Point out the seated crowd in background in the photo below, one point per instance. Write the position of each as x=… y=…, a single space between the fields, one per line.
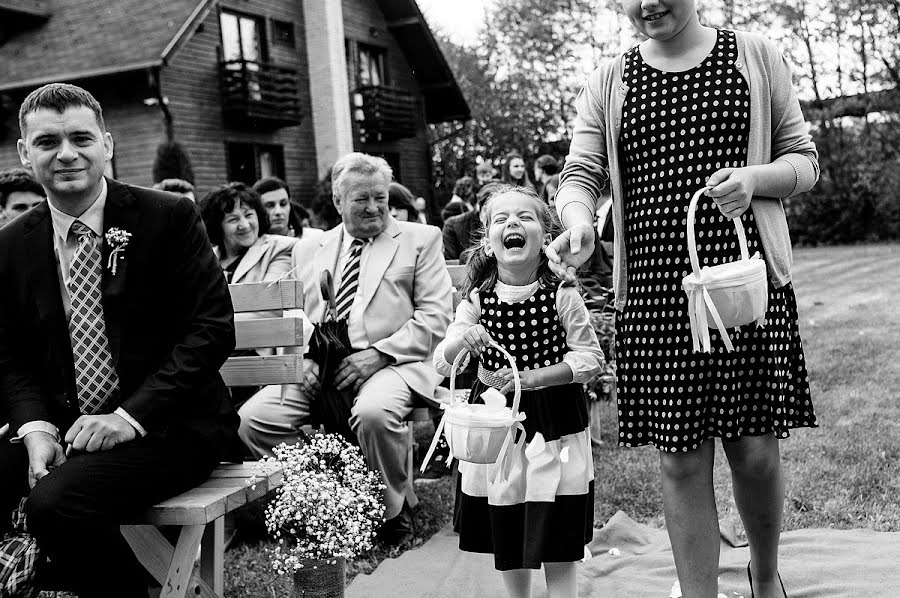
x=393 y=293
x=19 y=191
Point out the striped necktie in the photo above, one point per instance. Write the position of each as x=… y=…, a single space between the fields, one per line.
x=349 y=280
x=96 y=380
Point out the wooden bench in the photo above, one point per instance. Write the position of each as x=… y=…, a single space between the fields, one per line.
x=199 y=512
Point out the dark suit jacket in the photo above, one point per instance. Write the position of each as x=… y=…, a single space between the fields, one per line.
x=168 y=313
x=460 y=232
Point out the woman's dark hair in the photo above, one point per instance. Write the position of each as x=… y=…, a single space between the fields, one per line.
x=507 y=178
x=273 y=183
x=221 y=201
x=401 y=198
x=481 y=272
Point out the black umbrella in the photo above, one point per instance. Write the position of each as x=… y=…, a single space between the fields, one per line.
x=328 y=346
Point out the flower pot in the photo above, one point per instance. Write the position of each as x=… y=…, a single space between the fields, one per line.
x=320 y=578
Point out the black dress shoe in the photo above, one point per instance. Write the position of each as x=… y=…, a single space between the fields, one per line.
x=397 y=530
x=750 y=579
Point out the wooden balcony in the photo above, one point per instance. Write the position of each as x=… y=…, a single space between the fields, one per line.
x=384 y=113
x=259 y=95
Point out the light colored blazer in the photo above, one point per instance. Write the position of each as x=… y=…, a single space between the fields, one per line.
x=267 y=259
x=407 y=296
x=305 y=246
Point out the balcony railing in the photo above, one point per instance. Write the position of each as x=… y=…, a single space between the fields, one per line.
x=260 y=94
x=384 y=113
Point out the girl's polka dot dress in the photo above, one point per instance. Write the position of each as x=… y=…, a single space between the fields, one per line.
x=544 y=511
x=678 y=128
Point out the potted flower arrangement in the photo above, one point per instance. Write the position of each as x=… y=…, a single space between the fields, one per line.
x=326 y=511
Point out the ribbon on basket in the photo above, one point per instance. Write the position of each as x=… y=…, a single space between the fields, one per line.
x=741 y=287
x=503 y=465
x=515 y=434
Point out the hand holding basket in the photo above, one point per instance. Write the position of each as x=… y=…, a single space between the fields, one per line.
x=479 y=433
x=724 y=296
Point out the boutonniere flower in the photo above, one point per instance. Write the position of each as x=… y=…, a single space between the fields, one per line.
x=117 y=239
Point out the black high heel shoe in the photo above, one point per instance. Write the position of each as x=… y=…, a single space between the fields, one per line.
x=750 y=579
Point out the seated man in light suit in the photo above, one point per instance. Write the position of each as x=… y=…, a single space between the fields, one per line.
x=392 y=284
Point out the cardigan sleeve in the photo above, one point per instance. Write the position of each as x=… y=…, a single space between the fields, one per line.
x=587 y=165
x=791 y=141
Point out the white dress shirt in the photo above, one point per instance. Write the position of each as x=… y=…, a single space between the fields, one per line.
x=356 y=330
x=64 y=245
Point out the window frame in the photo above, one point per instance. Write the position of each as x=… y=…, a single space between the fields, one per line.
x=262 y=32
x=258 y=148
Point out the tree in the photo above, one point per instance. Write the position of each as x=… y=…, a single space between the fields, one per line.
x=520 y=80
x=172 y=162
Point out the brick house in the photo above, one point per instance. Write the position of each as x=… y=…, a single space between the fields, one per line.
x=250 y=87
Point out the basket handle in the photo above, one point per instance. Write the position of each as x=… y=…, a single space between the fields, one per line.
x=517 y=395
x=692 y=242
x=517 y=381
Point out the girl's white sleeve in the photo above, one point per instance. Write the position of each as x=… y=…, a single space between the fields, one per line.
x=468 y=312
x=584 y=356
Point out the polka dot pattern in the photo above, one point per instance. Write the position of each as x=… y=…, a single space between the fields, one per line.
x=530 y=331
x=678 y=128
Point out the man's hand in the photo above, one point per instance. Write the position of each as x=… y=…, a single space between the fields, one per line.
x=570 y=250
x=93 y=433
x=732 y=189
x=358 y=367
x=44 y=453
x=310 y=384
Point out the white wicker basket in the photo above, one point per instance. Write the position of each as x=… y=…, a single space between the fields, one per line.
x=478 y=433
x=724 y=296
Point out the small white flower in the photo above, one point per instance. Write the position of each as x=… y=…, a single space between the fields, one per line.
x=117 y=240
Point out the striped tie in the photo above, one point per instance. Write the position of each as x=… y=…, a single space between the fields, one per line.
x=349 y=280
x=96 y=381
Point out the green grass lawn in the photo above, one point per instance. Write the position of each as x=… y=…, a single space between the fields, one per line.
x=845 y=474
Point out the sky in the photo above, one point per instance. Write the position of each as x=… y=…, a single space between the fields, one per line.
x=460 y=19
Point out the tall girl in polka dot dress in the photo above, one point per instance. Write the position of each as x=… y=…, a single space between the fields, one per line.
x=543 y=513
x=693 y=107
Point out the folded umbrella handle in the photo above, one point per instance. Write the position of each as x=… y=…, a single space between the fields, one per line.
x=326 y=288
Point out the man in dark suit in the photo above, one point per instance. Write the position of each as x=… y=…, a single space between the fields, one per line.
x=114 y=321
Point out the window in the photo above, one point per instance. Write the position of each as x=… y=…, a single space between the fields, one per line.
x=283 y=33
x=243 y=49
x=249 y=162
x=369 y=65
x=242 y=37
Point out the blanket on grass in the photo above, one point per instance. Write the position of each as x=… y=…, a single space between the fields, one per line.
x=632 y=560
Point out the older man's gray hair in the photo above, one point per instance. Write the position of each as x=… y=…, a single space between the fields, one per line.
x=358 y=163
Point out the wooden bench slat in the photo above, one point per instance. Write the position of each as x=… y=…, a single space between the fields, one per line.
x=256 y=371
x=269 y=332
x=228 y=488
x=261 y=296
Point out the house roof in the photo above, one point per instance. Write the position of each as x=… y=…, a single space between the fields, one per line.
x=90 y=38
x=444 y=100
